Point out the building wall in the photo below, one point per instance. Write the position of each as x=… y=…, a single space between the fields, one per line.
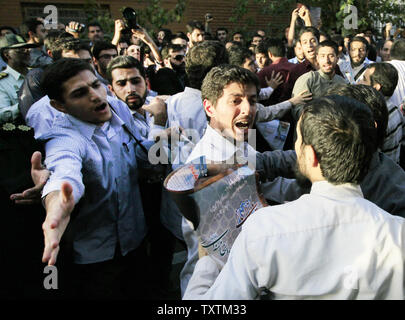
x=11 y=13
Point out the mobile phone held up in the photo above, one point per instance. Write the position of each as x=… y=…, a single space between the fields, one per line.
x=129 y=17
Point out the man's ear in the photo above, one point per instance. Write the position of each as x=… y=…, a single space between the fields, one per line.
x=310 y=156
x=377 y=86
x=209 y=108
x=166 y=62
x=31 y=34
x=189 y=36
x=57 y=105
x=109 y=86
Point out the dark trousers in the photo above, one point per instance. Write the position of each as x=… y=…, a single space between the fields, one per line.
x=122 y=278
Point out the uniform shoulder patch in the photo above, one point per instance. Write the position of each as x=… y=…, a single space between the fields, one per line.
x=3 y=75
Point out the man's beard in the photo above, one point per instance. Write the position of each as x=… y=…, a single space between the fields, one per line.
x=135 y=105
x=356 y=64
x=301 y=179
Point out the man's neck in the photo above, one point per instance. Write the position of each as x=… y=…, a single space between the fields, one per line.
x=276 y=59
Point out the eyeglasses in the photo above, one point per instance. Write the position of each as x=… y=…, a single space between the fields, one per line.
x=179 y=57
x=107 y=56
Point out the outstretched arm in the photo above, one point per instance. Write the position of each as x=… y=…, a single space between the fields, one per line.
x=58 y=205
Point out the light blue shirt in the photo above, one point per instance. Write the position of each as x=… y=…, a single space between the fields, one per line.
x=9 y=87
x=100 y=164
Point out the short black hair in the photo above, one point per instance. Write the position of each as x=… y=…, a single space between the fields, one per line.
x=386 y=75
x=238 y=55
x=261 y=48
x=101 y=45
x=194 y=24
x=276 y=47
x=201 y=58
x=398 y=50
x=165 y=52
x=328 y=43
x=8 y=28
x=94 y=24
x=60 y=71
x=341 y=131
x=313 y=30
x=370 y=97
x=221 y=76
x=29 y=25
x=359 y=39
x=124 y=62
x=221 y=29
x=69 y=44
x=53 y=36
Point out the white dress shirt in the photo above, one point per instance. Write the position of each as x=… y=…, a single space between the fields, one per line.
x=215 y=148
x=329 y=244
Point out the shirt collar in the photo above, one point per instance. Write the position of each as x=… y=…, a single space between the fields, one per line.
x=87 y=129
x=327 y=189
x=16 y=75
x=223 y=148
x=325 y=76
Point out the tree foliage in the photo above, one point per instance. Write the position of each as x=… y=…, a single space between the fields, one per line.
x=333 y=12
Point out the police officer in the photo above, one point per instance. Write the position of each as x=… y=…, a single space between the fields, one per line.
x=15 y=52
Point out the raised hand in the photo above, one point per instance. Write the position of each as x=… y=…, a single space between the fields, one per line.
x=275 y=80
x=39 y=175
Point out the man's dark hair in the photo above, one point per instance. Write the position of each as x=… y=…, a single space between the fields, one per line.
x=29 y=25
x=221 y=76
x=192 y=25
x=124 y=62
x=101 y=45
x=323 y=33
x=313 y=30
x=338 y=39
x=359 y=39
x=53 y=36
x=165 y=52
x=7 y=28
x=94 y=24
x=342 y=133
x=237 y=32
x=181 y=35
x=238 y=55
x=69 y=44
x=276 y=47
x=328 y=43
x=386 y=75
x=201 y=58
x=261 y=48
x=370 y=97
x=398 y=50
x=58 y=72
x=221 y=29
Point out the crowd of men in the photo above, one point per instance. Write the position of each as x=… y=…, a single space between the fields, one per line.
x=90 y=127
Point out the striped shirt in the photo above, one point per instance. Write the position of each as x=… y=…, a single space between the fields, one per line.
x=393 y=137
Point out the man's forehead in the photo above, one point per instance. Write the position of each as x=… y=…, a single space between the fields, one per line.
x=326 y=49
x=125 y=73
x=307 y=36
x=237 y=88
x=83 y=78
x=357 y=44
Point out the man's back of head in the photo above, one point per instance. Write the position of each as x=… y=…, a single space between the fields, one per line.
x=370 y=97
x=398 y=50
x=341 y=132
x=202 y=58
